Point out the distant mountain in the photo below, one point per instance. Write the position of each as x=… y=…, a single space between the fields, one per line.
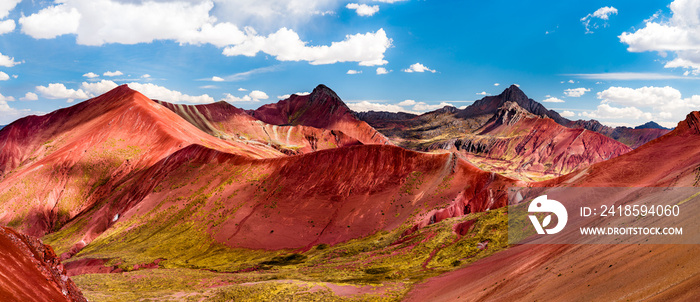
x=2 y=126
x=517 y=143
x=651 y=125
x=406 y=129
x=320 y=109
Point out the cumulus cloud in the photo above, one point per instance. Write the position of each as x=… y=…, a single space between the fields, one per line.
x=496 y=84
x=407 y=103
x=363 y=9
x=424 y=107
x=552 y=100
x=217 y=79
x=602 y=13
x=89 y=90
x=146 y=76
x=164 y=94
x=4 y=76
x=364 y=106
x=7 y=26
x=91 y=75
x=418 y=67
x=576 y=92
x=481 y=93
x=567 y=113
x=6 y=6
x=94 y=22
x=286 y=96
x=253 y=96
x=113 y=73
x=661 y=104
x=242 y=89
x=52 y=22
x=389 y=1
x=97 y=88
x=6 y=61
x=352 y=71
x=679 y=35
x=59 y=91
x=29 y=96
x=8 y=114
x=286 y=45
x=382 y=70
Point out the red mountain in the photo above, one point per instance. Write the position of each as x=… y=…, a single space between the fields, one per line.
x=593 y=271
x=320 y=109
x=31 y=271
x=233 y=124
x=53 y=165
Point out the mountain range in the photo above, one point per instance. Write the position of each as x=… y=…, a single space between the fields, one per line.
x=305 y=198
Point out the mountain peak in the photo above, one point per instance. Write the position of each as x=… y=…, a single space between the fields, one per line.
x=321 y=94
x=651 y=125
x=513 y=94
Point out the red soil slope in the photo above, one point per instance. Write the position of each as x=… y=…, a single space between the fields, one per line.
x=515 y=140
x=53 y=165
x=328 y=196
x=594 y=272
x=230 y=123
x=320 y=109
x=30 y=271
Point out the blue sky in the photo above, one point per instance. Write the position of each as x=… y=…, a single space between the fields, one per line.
x=621 y=62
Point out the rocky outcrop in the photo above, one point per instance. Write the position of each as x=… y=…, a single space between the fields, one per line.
x=31 y=271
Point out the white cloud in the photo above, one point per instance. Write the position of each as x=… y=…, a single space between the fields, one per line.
x=481 y=93
x=9 y=114
x=382 y=70
x=571 y=81
x=253 y=96
x=29 y=96
x=164 y=94
x=644 y=96
x=6 y=6
x=680 y=35
x=4 y=76
x=407 y=103
x=661 y=104
x=602 y=13
x=113 y=73
x=389 y=1
x=146 y=76
x=208 y=86
x=363 y=9
x=567 y=113
x=59 y=91
x=97 y=88
x=197 y=22
x=242 y=89
x=352 y=71
x=7 y=26
x=605 y=111
x=496 y=84
x=424 y=107
x=418 y=67
x=217 y=79
x=91 y=75
x=286 y=45
x=576 y=92
x=6 y=61
x=286 y=96
x=52 y=22
x=629 y=76
x=364 y=106
x=552 y=100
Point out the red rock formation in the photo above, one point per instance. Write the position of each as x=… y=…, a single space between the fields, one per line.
x=30 y=271
x=320 y=109
x=233 y=124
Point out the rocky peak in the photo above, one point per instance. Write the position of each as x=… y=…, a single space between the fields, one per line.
x=510 y=113
x=691 y=124
x=651 y=125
